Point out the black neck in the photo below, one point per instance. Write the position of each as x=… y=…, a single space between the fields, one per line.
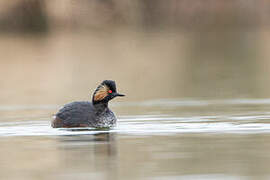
x=100 y=105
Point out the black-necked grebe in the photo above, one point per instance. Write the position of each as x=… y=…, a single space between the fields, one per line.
x=89 y=114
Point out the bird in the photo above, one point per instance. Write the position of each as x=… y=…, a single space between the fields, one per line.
x=94 y=114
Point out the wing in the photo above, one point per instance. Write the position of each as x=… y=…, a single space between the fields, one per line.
x=76 y=114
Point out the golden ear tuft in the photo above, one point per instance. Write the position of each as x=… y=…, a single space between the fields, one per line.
x=101 y=93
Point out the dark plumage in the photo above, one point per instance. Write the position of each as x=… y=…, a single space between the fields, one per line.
x=89 y=114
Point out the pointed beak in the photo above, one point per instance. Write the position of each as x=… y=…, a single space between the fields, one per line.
x=117 y=94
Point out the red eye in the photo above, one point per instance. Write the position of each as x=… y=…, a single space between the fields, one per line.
x=110 y=91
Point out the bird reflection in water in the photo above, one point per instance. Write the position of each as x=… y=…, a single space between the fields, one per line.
x=95 y=154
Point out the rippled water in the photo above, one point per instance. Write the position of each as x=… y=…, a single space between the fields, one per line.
x=158 y=139
x=157 y=123
x=150 y=125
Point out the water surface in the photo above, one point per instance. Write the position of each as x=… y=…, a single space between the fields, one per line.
x=155 y=139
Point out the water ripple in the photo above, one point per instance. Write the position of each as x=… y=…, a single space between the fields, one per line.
x=149 y=125
x=247 y=117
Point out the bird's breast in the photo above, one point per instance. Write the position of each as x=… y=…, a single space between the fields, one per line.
x=106 y=119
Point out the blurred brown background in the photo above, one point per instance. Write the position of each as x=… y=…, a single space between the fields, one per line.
x=52 y=52
x=56 y=51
